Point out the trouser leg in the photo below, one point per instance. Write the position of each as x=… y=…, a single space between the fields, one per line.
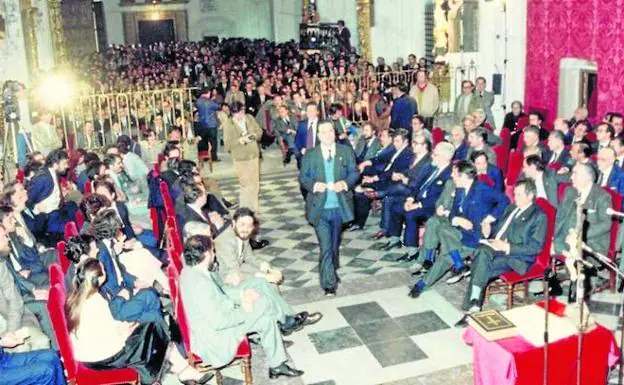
x=270 y=292
x=263 y=320
x=362 y=209
x=41 y=367
x=327 y=230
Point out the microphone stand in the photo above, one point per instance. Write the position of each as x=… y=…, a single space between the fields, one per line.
x=547 y=309
x=614 y=268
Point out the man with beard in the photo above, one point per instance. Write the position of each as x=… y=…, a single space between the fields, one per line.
x=45 y=200
x=241 y=268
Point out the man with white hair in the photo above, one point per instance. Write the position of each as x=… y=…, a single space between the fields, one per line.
x=420 y=205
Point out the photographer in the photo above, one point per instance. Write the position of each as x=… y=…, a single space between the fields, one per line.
x=241 y=135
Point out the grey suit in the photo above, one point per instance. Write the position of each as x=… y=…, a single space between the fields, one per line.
x=218 y=323
x=14 y=313
x=282 y=127
x=371 y=151
x=473 y=104
x=597 y=226
x=487 y=99
x=232 y=260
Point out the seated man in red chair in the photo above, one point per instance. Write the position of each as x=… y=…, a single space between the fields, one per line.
x=511 y=245
x=557 y=155
x=220 y=317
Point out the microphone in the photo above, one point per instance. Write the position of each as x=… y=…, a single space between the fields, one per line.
x=614 y=213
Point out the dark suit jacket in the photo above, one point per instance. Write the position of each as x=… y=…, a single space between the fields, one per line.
x=461 y=153
x=302 y=135
x=526 y=235
x=112 y=286
x=401 y=164
x=480 y=201
x=29 y=258
x=416 y=174
x=428 y=195
x=122 y=209
x=496 y=175
x=615 y=180
x=371 y=151
x=282 y=127
x=313 y=170
x=402 y=111
x=40 y=187
x=597 y=226
x=551 y=185
x=252 y=102
x=562 y=158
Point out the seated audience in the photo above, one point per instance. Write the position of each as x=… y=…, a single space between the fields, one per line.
x=487 y=172
x=546 y=180
x=476 y=142
x=458 y=140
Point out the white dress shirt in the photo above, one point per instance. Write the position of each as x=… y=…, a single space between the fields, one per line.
x=53 y=201
x=539 y=185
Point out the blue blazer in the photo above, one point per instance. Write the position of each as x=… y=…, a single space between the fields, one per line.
x=302 y=135
x=428 y=195
x=401 y=164
x=496 y=175
x=461 y=152
x=403 y=109
x=112 y=286
x=39 y=188
x=480 y=201
x=125 y=218
x=616 y=180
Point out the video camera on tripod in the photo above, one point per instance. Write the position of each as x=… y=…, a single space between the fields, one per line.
x=10 y=92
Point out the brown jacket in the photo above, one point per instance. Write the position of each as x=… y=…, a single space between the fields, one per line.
x=231 y=139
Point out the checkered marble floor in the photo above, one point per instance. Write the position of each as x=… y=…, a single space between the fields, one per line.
x=293 y=243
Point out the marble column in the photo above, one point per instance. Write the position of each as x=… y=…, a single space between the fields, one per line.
x=13 y=57
x=45 y=45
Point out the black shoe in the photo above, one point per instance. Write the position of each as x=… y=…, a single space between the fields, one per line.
x=554 y=287
x=311 y=319
x=463 y=322
x=203 y=380
x=330 y=292
x=257 y=245
x=354 y=227
x=390 y=245
x=406 y=258
x=284 y=370
x=458 y=275
x=288 y=344
x=416 y=291
x=227 y=203
x=288 y=330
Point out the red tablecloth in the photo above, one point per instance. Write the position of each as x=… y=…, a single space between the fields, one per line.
x=513 y=361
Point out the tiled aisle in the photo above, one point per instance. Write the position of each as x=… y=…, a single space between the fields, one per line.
x=371 y=333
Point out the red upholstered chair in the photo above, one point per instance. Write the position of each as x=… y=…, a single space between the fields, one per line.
x=616 y=205
x=505 y=136
x=70 y=230
x=56 y=275
x=243 y=354
x=523 y=121
x=510 y=280
x=153 y=213
x=76 y=372
x=79 y=219
x=502 y=156
x=60 y=250
x=514 y=169
x=591 y=136
x=437 y=135
x=520 y=144
x=169 y=206
x=19 y=176
x=174 y=248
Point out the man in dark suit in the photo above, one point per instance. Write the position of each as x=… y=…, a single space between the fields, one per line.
x=604 y=135
x=378 y=162
x=45 y=198
x=487 y=172
x=477 y=142
x=556 y=156
x=456 y=225
x=328 y=174
x=458 y=140
x=344 y=37
x=252 y=101
x=130 y=299
x=597 y=225
x=546 y=180
x=609 y=175
x=510 y=245
x=102 y=125
x=403 y=107
x=286 y=126
x=617 y=144
x=306 y=137
x=420 y=204
x=195 y=200
x=368 y=144
x=374 y=187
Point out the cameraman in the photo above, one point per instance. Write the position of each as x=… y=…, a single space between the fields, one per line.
x=241 y=135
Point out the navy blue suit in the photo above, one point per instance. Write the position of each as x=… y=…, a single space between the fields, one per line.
x=142 y=306
x=480 y=201
x=426 y=190
x=41 y=187
x=496 y=175
x=403 y=109
x=302 y=135
x=146 y=238
x=616 y=180
x=379 y=161
x=461 y=152
x=41 y=367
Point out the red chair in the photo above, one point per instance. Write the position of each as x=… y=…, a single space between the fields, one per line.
x=79 y=219
x=616 y=205
x=510 y=280
x=502 y=156
x=514 y=169
x=169 y=206
x=174 y=249
x=153 y=213
x=60 y=250
x=76 y=372
x=437 y=135
x=19 y=176
x=505 y=136
x=243 y=354
x=56 y=275
x=523 y=121
x=70 y=230
x=520 y=144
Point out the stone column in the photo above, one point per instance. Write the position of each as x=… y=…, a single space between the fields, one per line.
x=43 y=34
x=14 y=58
x=56 y=30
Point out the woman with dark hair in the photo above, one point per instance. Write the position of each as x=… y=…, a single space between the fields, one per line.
x=512 y=117
x=78 y=249
x=101 y=342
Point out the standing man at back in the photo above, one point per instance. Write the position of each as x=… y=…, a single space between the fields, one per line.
x=207 y=107
x=329 y=174
x=403 y=107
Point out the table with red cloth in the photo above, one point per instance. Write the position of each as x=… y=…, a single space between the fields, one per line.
x=514 y=361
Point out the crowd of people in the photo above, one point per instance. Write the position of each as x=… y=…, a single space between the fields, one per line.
x=447 y=198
